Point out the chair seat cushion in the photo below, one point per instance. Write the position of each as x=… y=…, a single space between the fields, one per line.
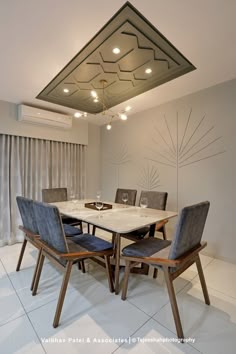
x=69 y=220
x=92 y=243
x=140 y=233
x=71 y=231
x=145 y=248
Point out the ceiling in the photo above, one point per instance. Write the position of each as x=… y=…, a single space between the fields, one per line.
x=39 y=38
x=97 y=78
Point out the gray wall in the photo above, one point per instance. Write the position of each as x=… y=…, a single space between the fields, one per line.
x=187 y=148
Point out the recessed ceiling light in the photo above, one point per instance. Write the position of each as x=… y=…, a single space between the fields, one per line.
x=38 y=113
x=95 y=99
x=123 y=116
x=116 y=50
x=148 y=71
x=94 y=94
x=128 y=108
x=85 y=114
x=108 y=126
x=66 y=90
x=77 y=115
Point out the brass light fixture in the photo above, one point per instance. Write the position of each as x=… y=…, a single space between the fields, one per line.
x=101 y=99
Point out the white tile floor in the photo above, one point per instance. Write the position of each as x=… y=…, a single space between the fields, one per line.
x=91 y=314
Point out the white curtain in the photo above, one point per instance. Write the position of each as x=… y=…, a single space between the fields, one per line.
x=27 y=166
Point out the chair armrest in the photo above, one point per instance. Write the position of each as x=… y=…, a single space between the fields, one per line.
x=150 y=260
x=161 y=257
x=73 y=255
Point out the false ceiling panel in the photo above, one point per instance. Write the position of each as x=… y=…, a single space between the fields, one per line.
x=141 y=47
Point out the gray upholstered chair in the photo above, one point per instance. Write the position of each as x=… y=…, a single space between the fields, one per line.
x=30 y=228
x=65 y=252
x=53 y=195
x=156 y=200
x=172 y=257
x=131 y=196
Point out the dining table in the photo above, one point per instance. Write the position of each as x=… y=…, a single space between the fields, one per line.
x=118 y=219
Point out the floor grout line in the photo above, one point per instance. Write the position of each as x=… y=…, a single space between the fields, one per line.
x=210 y=287
x=174 y=333
x=177 y=292
x=26 y=314
x=130 y=302
x=11 y=320
x=132 y=334
x=192 y=281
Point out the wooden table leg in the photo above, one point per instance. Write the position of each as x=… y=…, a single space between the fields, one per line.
x=117 y=266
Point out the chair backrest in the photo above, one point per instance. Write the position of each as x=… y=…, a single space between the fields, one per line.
x=50 y=226
x=156 y=200
x=131 y=196
x=26 y=210
x=189 y=229
x=52 y=195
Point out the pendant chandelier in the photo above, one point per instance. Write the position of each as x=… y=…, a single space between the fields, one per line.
x=105 y=111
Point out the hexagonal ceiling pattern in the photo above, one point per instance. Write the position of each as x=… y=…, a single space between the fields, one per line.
x=141 y=47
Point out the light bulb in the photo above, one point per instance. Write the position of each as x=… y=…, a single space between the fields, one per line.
x=66 y=90
x=116 y=50
x=94 y=94
x=128 y=108
x=108 y=126
x=77 y=114
x=148 y=71
x=95 y=99
x=123 y=116
x=85 y=114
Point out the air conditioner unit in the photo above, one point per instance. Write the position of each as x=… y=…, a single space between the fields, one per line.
x=40 y=116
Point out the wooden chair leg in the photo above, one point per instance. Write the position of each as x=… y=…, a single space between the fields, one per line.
x=202 y=280
x=117 y=264
x=81 y=226
x=21 y=255
x=35 y=270
x=62 y=294
x=83 y=266
x=109 y=274
x=94 y=230
x=173 y=303
x=155 y=273
x=164 y=232
x=126 y=278
x=38 y=273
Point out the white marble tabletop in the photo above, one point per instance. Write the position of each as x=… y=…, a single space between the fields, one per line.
x=120 y=219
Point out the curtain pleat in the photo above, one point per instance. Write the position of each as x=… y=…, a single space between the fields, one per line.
x=27 y=166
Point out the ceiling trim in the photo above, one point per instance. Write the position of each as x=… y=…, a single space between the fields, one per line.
x=142 y=46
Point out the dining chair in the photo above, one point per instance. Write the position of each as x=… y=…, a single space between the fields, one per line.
x=173 y=258
x=155 y=200
x=53 y=195
x=131 y=194
x=65 y=252
x=30 y=229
